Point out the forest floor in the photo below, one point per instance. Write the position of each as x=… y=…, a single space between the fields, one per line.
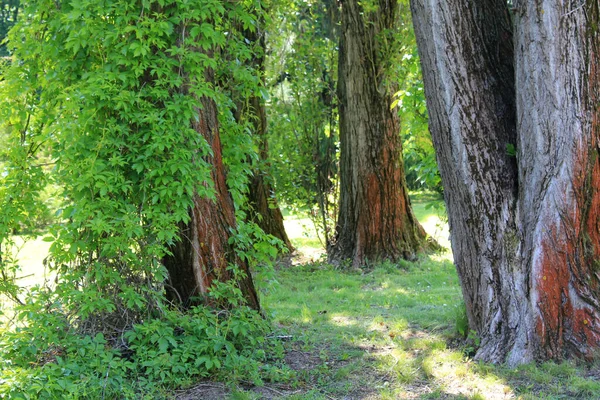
x=386 y=331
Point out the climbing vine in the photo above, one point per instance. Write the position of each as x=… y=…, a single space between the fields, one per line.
x=98 y=102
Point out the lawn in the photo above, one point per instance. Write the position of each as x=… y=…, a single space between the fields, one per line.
x=385 y=331
x=388 y=331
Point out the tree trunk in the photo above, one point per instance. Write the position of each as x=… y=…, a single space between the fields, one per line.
x=264 y=210
x=204 y=253
x=375 y=217
x=261 y=196
x=524 y=224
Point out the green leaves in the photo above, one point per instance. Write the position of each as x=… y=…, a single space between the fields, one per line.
x=101 y=104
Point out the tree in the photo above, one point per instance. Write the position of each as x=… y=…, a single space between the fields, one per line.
x=264 y=210
x=204 y=253
x=516 y=135
x=9 y=12
x=115 y=103
x=207 y=252
x=375 y=219
x=151 y=166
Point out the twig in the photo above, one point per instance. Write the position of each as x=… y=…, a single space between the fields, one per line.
x=282 y=337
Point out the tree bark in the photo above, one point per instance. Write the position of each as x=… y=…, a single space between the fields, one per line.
x=375 y=218
x=524 y=224
x=204 y=253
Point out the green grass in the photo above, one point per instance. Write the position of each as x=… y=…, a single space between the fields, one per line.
x=390 y=331
x=387 y=331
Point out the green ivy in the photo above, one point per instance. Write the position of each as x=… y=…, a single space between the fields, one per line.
x=98 y=102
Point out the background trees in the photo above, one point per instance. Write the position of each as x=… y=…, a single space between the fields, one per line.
x=515 y=131
x=302 y=111
x=375 y=218
x=9 y=12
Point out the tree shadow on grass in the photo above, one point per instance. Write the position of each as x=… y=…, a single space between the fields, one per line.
x=389 y=333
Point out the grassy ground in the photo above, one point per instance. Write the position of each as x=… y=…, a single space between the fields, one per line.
x=387 y=331
x=390 y=331
x=31 y=254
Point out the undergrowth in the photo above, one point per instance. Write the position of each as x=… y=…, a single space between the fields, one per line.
x=48 y=358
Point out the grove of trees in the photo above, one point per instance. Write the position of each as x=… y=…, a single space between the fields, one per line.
x=168 y=133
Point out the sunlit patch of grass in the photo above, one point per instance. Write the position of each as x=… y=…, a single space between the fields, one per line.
x=30 y=253
x=303 y=244
x=382 y=332
x=457 y=376
x=362 y=317
x=430 y=210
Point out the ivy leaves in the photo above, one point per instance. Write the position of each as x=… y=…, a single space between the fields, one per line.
x=109 y=90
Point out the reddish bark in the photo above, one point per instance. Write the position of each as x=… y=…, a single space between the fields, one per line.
x=568 y=279
x=375 y=218
x=204 y=253
x=525 y=232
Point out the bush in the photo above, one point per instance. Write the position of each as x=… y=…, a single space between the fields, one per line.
x=48 y=358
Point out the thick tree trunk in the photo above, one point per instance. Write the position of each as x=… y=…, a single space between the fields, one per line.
x=204 y=253
x=375 y=217
x=558 y=106
x=524 y=229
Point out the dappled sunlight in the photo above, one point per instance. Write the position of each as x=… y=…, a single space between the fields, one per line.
x=31 y=254
x=390 y=333
x=300 y=228
x=445 y=256
x=403 y=291
x=437 y=229
x=303 y=235
x=343 y=320
x=456 y=376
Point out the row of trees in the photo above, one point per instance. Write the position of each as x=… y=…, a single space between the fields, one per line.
x=161 y=104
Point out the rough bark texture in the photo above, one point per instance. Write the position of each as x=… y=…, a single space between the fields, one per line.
x=375 y=217
x=557 y=76
x=204 y=252
x=524 y=226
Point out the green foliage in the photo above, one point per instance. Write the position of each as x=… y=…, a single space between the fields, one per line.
x=303 y=131
x=9 y=11
x=101 y=89
x=96 y=117
x=46 y=359
x=417 y=147
x=461 y=320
